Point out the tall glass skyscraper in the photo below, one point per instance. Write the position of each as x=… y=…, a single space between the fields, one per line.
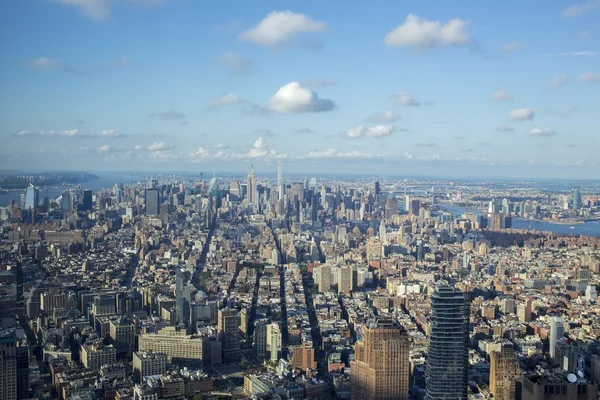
x=576 y=199
x=448 y=355
x=32 y=197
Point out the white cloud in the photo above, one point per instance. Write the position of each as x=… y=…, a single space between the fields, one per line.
x=101 y=9
x=505 y=129
x=238 y=64
x=334 y=153
x=294 y=98
x=419 y=33
x=521 y=114
x=385 y=116
x=542 y=132
x=585 y=53
x=104 y=149
x=559 y=80
x=110 y=133
x=581 y=8
x=70 y=133
x=44 y=63
x=501 y=95
x=160 y=146
x=354 y=133
x=227 y=100
x=170 y=115
x=512 y=47
x=281 y=28
x=406 y=99
x=589 y=77
x=380 y=131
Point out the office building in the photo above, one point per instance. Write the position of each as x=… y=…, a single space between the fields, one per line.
x=183 y=296
x=176 y=344
x=151 y=202
x=260 y=337
x=557 y=332
x=274 y=340
x=377 y=189
x=251 y=188
x=302 y=357
x=345 y=284
x=556 y=386
x=123 y=334
x=229 y=334
x=32 y=197
x=66 y=204
x=95 y=355
x=148 y=363
x=576 y=199
x=504 y=368
x=448 y=356
x=8 y=367
x=380 y=370
x=323 y=278
x=87 y=202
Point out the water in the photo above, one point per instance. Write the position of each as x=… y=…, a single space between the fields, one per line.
x=590 y=228
x=104 y=181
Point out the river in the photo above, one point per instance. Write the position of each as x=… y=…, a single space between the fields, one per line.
x=590 y=228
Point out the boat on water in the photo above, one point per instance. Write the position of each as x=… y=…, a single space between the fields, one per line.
x=572 y=227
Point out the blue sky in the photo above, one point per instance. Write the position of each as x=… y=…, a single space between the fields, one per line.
x=448 y=88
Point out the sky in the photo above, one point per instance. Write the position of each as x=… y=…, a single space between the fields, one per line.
x=431 y=88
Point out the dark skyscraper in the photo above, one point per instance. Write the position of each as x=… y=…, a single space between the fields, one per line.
x=151 y=202
x=377 y=189
x=183 y=297
x=87 y=200
x=448 y=356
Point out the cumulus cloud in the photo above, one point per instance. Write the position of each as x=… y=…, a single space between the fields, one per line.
x=104 y=149
x=512 y=47
x=522 y=114
x=294 y=98
x=236 y=63
x=100 y=10
x=385 y=116
x=380 y=131
x=420 y=34
x=559 y=80
x=576 y=10
x=406 y=99
x=160 y=146
x=501 y=95
x=281 y=28
x=354 y=133
x=542 y=132
x=227 y=100
x=505 y=129
x=589 y=77
x=170 y=115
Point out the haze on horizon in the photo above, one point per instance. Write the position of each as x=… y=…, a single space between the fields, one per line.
x=402 y=88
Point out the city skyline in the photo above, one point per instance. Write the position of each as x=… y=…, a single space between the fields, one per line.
x=186 y=86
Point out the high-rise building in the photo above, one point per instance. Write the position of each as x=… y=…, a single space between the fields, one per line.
x=380 y=370
x=274 y=340
x=345 y=284
x=448 y=356
x=504 y=368
x=95 y=355
x=183 y=296
x=8 y=367
x=556 y=386
x=557 y=332
x=576 y=199
x=122 y=333
x=251 y=187
x=148 y=363
x=87 y=202
x=65 y=202
x=323 y=278
x=32 y=197
x=229 y=327
x=151 y=202
x=377 y=189
x=177 y=346
x=260 y=337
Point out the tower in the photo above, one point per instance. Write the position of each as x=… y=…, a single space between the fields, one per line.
x=280 y=188
x=229 y=326
x=8 y=367
x=557 y=331
x=380 y=370
x=151 y=202
x=252 y=193
x=32 y=197
x=504 y=368
x=448 y=356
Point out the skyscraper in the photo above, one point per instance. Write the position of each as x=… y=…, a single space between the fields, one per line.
x=32 y=197
x=377 y=189
x=252 y=193
x=557 y=331
x=576 y=199
x=8 y=368
x=65 y=203
x=504 y=368
x=183 y=296
x=380 y=370
x=448 y=356
x=229 y=326
x=87 y=200
x=151 y=202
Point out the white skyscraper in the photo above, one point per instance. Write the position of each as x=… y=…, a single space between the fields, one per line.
x=557 y=331
x=252 y=193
